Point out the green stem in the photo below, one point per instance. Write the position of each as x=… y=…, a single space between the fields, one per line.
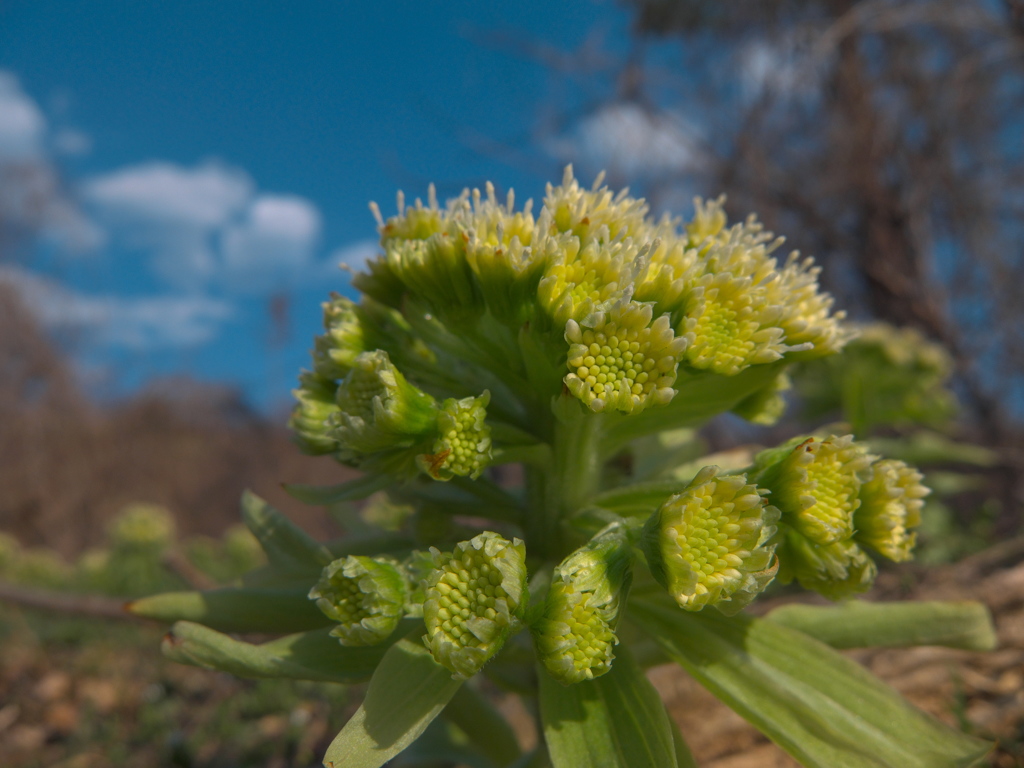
x=570 y=480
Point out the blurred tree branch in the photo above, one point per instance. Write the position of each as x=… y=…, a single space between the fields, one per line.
x=882 y=136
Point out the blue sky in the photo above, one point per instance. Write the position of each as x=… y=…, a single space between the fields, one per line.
x=187 y=167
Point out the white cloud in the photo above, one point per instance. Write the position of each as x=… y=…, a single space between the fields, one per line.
x=22 y=125
x=171 y=214
x=206 y=226
x=273 y=245
x=781 y=68
x=70 y=141
x=135 y=323
x=160 y=193
x=33 y=200
x=631 y=142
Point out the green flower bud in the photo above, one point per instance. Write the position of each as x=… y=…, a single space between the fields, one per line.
x=365 y=595
x=379 y=409
x=143 y=526
x=508 y=274
x=437 y=270
x=316 y=403
x=709 y=220
x=335 y=351
x=730 y=325
x=838 y=570
x=621 y=361
x=579 y=281
x=474 y=599
x=464 y=446
x=890 y=506
x=575 y=636
x=597 y=214
x=710 y=544
x=807 y=320
x=816 y=484
x=356 y=328
x=768 y=404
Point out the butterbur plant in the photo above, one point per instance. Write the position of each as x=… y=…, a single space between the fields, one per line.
x=499 y=383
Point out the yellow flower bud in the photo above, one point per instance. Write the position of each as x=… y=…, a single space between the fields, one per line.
x=365 y=595
x=891 y=503
x=816 y=484
x=620 y=360
x=464 y=446
x=474 y=598
x=575 y=636
x=711 y=544
x=595 y=214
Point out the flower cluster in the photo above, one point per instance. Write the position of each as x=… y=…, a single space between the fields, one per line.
x=476 y=300
x=478 y=323
x=835 y=497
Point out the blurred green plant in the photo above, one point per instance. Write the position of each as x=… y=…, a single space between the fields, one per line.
x=578 y=344
x=137 y=558
x=885 y=377
x=892 y=387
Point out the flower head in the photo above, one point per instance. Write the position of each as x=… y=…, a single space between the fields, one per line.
x=620 y=360
x=710 y=544
x=597 y=213
x=768 y=404
x=575 y=636
x=730 y=325
x=143 y=526
x=316 y=403
x=807 y=320
x=581 y=279
x=508 y=274
x=474 y=598
x=709 y=220
x=365 y=595
x=816 y=484
x=464 y=446
x=437 y=271
x=838 y=570
x=379 y=409
x=890 y=506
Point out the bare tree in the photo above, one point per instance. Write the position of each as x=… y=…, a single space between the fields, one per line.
x=886 y=137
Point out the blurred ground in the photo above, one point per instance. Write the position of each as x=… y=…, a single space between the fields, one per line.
x=78 y=693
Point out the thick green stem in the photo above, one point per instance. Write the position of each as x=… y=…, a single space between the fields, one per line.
x=570 y=480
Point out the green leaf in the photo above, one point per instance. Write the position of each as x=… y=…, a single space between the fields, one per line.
x=822 y=708
x=926 y=447
x=639 y=499
x=290 y=550
x=306 y=656
x=858 y=624
x=484 y=725
x=616 y=720
x=353 y=490
x=408 y=690
x=701 y=396
x=684 y=757
x=462 y=496
x=238 y=609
